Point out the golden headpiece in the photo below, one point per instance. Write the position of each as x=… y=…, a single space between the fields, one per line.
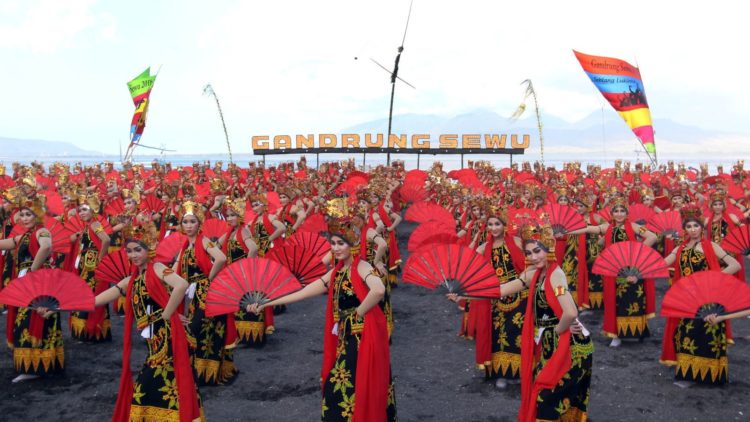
x=647 y=191
x=260 y=197
x=192 y=208
x=237 y=206
x=92 y=201
x=343 y=222
x=2 y=169
x=134 y=194
x=691 y=212
x=144 y=231
x=498 y=212
x=718 y=195
x=539 y=231
x=217 y=184
x=618 y=201
x=35 y=204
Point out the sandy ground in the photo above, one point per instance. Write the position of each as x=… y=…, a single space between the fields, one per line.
x=432 y=367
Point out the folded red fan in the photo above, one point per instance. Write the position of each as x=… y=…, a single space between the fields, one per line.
x=214 y=228
x=564 y=218
x=424 y=211
x=427 y=230
x=624 y=259
x=704 y=293
x=667 y=223
x=168 y=248
x=248 y=281
x=49 y=288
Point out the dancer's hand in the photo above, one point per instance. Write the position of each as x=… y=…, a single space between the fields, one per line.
x=714 y=319
x=576 y=327
x=184 y=319
x=255 y=308
x=44 y=312
x=453 y=297
x=631 y=279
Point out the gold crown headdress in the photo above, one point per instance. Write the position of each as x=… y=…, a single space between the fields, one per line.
x=192 y=208
x=539 y=231
x=134 y=194
x=618 y=201
x=217 y=184
x=497 y=212
x=35 y=204
x=92 y=201
x=718 y=195
x=342 y=221
x=647 y=192
x=237 y=206
x=691 y=212
x=143 y=231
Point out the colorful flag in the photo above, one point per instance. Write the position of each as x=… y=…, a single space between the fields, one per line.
x=620 y=83
x=140 y=90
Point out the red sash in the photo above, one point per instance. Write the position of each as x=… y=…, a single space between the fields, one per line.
x=373 y=357
x=36 y=322
x=394 y=256
x=556 y=366
x=187 y=394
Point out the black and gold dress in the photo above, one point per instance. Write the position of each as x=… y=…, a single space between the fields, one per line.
x=569 y=400
x=85 y=265
x=41 y=353
x=251 y=328
x=338 y=388
x=387 y=308
x=569 y=266
x=507 y=321
x=155 y=390
x=213 y=358
x=632 y=317
x=596 y=288
x=701 y=348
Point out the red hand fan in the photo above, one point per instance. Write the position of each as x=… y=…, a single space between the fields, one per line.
x=737 y=240
x=313 y=242
x=75 y=224
x=54 y=203
x=49 y=288
x=274 y=202
x=413 y=193
x=301 y=262
x=688 y=295
x=113 y=267
x=605 y=215
x=314 y=224
x=564 y=218
x=248 y=281
x=421 y=212
x=59 y=234
x=169 y=247
x=624 y=259
x=662 y=202
x=114 y=207
x=640 y=214
x=152 y=203
x=214 y=228
x=438 y=239
x=456 y=268
x=426 y=230
x=667 y=223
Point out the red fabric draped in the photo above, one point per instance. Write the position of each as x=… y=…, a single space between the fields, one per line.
x=668 y=353
x=373 y=356
x=270 y=228
x=187 y=393
x=394 y=256
x=582 y=285
x=556 y=366
x=370 y=224
x=36 y=322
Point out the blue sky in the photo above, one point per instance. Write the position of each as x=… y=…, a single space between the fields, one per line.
x=288 y=67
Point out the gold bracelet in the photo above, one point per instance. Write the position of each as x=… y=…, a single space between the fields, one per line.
x=98 y=230
x=167 y=271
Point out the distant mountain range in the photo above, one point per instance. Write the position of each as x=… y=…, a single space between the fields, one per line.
x=598 y=134
x=23 y=149
x=601 y=135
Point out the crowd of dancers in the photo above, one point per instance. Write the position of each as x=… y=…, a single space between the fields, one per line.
x=181 y=227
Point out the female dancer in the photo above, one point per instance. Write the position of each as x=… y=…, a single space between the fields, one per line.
x=556 y=350
x=356 y=358
x=89 y=247
x=628 y=302
x=697 y=349
x=35 y=337
x=164 y=389
x=502 y=357
x=215 y=336
x=238 y=244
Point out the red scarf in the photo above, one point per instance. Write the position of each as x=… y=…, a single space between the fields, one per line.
x=373 y=357
x=363 y=236
x=394 y=256
x=268 y=225
x=610 y=295
x=187 y=394
x=238 y=237
x=668 y=353
x=556 y=366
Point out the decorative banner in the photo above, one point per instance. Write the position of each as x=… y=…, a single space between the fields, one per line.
x=140 y=90
x=620 y=83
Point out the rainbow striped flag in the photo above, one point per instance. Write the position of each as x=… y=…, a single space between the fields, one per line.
x=620 y=83
x=140 y=89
